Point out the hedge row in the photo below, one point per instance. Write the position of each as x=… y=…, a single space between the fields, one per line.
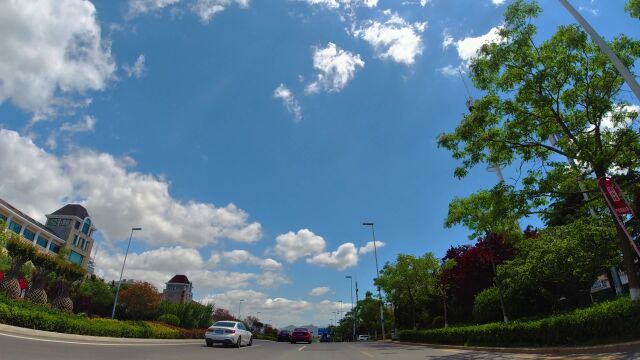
x=615 y=320
x=23 y=314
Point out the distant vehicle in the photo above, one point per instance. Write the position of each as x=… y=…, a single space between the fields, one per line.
x=284 y=335
x=228 y=333
x=325 y=338
x=363 y=337
x=301 y=335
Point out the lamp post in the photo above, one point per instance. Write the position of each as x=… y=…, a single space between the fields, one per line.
x=353 y=315
x=375 y=251
x=115 y=301
x=240 y=309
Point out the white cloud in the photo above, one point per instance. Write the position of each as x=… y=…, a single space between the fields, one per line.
x=270 y=279
x=370 y=248
x=206 y=9
x=467 y=49
x=347 y=4
x=289 y=100
x=51 y=50
x=292 y=246
x=115 y=196
x=498 y=2
x=87 y=124
x=137 y=69
x=346 y=256
x=335 y=68
x=138 y=7
x=243 y=257
x=395 y=39
x=319 y=291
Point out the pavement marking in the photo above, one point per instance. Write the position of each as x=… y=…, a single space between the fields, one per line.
x=96 y=344
x=302 y=348
x=365 y=353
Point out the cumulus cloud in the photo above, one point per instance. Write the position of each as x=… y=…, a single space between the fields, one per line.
x=289 y=100
x=348 y=4
x=87 y=124
x=344 y=257
x=115 y=195
x=243 y=257
x=370 y=248
x=498 y=2
x=51 y=50
x=138 y=7
x=206 y=9
x=292 y=246
x=319 y=291
x=335 y=67
x=467 y=48
x=137 y=69
x=395 y=39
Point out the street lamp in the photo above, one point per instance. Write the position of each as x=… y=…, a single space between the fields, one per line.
x=352 y=313
x=240 y=309
x=375 y=251
x=115 y=301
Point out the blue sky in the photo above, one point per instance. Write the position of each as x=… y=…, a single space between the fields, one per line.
x=250 y=139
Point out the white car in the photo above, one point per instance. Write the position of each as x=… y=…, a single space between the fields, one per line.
x=363 y=337
x=228 y=333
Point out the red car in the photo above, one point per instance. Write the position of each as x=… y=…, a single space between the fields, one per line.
x=301 y=335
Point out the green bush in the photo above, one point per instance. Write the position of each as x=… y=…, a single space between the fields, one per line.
x=486 y=306
x=615 y=320
x=27 y=315
x=169 y=319
x=191 y=314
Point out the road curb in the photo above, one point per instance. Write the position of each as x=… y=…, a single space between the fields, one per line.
x=609 y=348
x=14 y=330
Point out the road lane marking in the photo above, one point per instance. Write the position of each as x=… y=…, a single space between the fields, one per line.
x=365 y=353
x=302 y=348
x=96 y=344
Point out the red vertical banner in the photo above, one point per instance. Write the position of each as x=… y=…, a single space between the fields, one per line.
x=618 y=206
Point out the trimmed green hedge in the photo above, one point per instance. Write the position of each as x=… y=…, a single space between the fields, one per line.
x=615 y=320
x=23 y=314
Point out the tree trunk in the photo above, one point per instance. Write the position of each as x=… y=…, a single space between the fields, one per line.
x=444 y=303
x=628 y=256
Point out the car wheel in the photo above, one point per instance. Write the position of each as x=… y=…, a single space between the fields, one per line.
x=250 y=341
x=209 y=344
x=239 y=342
x=293 y=342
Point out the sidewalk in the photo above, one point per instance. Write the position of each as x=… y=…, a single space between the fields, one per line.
x=632 y=346
x=18 y=331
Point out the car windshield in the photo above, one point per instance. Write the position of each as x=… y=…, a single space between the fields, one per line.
x=225 y=324
x=284 y=332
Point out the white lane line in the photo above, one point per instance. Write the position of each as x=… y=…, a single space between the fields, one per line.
x=95 y=344
x=302 y=348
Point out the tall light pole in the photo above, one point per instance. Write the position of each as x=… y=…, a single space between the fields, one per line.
x=352 y=313
x=240 y=309
x=375 y=251
x=622 y=69
x=115 y=301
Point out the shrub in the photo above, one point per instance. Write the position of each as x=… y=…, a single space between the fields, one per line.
x=169 y=319
x=191 y=314
x=615 y=320
x=24 y=314
x=140 y=301
x=486 y=306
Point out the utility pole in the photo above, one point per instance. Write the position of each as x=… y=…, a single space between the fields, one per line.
x=375 y=251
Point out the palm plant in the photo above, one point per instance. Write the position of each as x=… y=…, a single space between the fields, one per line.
x=36 y=293
x=10 y=286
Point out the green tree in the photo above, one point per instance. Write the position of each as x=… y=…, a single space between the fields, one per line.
x=633 y=7
x=93 y=296
x=561 y=263
x=547 y=102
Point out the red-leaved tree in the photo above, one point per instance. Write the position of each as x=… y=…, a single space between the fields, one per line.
x=140 y=301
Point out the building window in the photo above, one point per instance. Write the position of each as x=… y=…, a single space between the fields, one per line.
x=64 y=222
x=42 y=241
x=85 y=242
x=55 y=248
x=77 y=225
x=86 y=226
x=76 y=241
x=30 y=235
x=53 y=222
x=15 y=227
x=76 y=258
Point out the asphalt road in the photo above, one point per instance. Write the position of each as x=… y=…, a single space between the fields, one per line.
x=33 y=348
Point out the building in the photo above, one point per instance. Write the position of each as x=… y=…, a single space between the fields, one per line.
x=69 y=227
x=179 y=289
